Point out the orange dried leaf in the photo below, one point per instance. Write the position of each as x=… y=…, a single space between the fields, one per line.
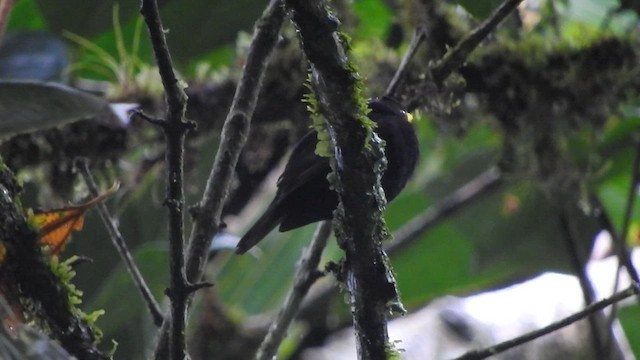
x=56 y=225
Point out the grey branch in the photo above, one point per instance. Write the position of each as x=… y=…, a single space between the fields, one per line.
x=121 y=245
x=589 y=310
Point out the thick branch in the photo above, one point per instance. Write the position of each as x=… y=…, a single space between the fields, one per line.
x=360 y=228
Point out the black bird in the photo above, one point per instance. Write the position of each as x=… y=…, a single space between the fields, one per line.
x=303 y=194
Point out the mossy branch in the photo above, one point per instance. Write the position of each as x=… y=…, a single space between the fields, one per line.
x=28 y=277
x=357 y=167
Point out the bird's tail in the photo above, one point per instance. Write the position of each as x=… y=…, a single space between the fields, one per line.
x=269 y=220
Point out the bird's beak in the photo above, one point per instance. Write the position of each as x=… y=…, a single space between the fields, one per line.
x=409 y=117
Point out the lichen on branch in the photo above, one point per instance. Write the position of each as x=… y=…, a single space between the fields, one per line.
x=357 y=165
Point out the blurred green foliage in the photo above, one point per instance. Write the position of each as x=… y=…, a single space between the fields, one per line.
x=480 y=9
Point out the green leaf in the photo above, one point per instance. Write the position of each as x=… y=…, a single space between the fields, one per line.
x=479 y=8
x=629 y=320
x=259 y=283
x=374 y=18
x=620 y=131
x=152 y=260
x=25 y=15
x=433 y=265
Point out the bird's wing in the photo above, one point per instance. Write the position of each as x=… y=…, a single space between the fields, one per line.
x=303 y=166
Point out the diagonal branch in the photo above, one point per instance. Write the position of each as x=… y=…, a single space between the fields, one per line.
x=121 y=245
x=455 y=57
x=589 y=310
x=418 y=37
x=208 y=212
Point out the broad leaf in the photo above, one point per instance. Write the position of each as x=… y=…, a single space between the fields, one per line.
x=28 y=106
x=479 y=8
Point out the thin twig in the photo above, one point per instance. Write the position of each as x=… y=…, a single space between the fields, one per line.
x=306 y=274
x=455 y=57
x=121 y=245
x=634 y=289
x=418 y=37
x=175 y=128
x=207 y=214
